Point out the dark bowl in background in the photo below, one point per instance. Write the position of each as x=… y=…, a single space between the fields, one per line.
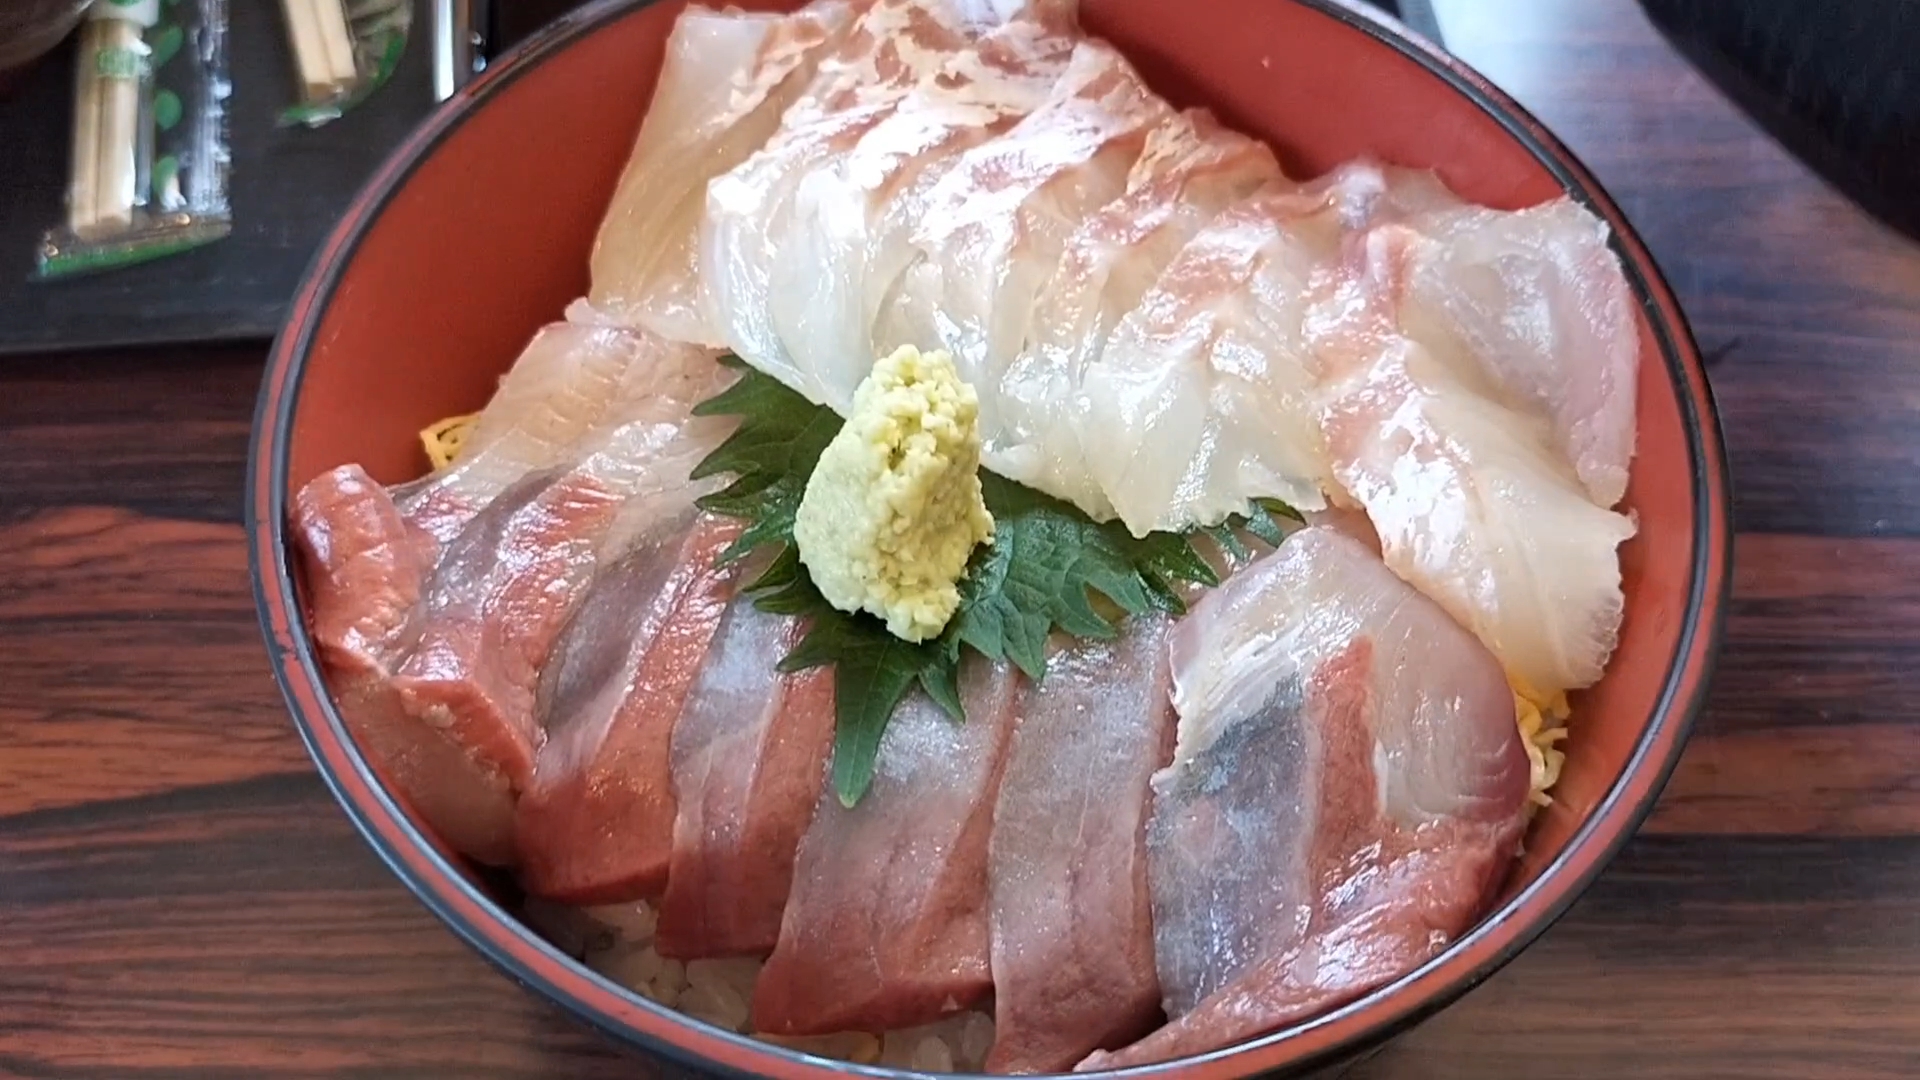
x=476 y=232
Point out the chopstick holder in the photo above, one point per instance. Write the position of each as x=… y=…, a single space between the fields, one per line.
x=147 y=171
x=109 y=87
x=322 y=46
x=341 y=53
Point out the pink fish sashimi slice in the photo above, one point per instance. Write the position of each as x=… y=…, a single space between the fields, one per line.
x=366 y=571
x=887 y=925
x=750 y=756
x=1473 y=502
x=595 y=824
x=1347 y=790
x=1071 y=913
x=507 y=584
x=728 y=77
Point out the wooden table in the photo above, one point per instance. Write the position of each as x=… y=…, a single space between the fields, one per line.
x=179 y=897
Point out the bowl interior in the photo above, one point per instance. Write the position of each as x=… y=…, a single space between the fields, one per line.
x=480 y=235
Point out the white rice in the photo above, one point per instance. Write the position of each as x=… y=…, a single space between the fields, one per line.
x=617 y=942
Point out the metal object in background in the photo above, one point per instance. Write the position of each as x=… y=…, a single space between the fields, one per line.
x=460 y=43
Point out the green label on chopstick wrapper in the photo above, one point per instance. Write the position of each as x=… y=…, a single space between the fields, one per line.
x=166 y=110
x=126 y=64
x=164 y=42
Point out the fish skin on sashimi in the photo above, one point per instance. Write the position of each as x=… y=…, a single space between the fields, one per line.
x=595 y=823
x=1071 y=911
x=887 y=925
x=749 y=760
x=1347 y=791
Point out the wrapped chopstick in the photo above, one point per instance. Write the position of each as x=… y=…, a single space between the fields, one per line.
x=342 y=50
x=147 y=173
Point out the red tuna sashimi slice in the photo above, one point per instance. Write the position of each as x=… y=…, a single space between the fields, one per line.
x=1071 y=914
x=595 y=825
x=1347 y=790
x=749 y=761
x=367 y=568
x=887 y=924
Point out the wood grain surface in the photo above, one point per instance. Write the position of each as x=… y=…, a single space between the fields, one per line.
x=180 y=897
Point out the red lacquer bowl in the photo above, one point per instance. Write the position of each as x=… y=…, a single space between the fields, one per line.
x=477 y=231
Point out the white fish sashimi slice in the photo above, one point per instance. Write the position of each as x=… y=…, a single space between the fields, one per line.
x=1205 y=395
x=1539 y=301
x=727 y=78
x=892 y=47
x=1527 y=306
x=574 y=379
x=1472 y=500
x=997 y=223
x=846 y=237
x=1190 y=169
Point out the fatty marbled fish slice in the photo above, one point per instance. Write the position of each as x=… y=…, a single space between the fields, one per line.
x=891 y=47
x=1190 y=169
x=1473 y=501
x=887 y=924
x=749 y=758
x=595 y=823
x=574 y=379
x=1071 y=913
x=727 y=78
x=1346 y=792
x=848 y=234
x=366 y=570
x=997 y=223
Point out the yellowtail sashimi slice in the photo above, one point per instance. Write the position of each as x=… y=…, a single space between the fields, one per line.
x=1347 y=789
x=750 y=757
x=1072 y=917
x=887 y=925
